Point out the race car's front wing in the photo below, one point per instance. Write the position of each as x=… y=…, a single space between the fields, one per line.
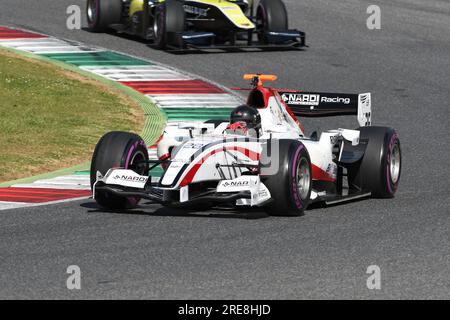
x=193 y=40
x=244 y=190
x=156 y=195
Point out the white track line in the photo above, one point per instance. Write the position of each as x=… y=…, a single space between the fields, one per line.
x=209 y=101
x=195 y=97
x=48 y=45
x=4 y=205
x=144 y=73
x=73 y=182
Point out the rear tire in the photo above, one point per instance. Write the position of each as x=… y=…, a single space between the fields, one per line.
x=290 y=187
x=380 y=168
x=102 y=13
x=271 y=15
x=118 y=150
x=170 y=17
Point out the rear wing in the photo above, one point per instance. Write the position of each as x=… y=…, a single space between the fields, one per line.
x=319 y=104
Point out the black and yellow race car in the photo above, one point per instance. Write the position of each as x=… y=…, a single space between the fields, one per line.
x=198 y=24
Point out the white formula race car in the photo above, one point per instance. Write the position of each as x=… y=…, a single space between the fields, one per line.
x=260 y=157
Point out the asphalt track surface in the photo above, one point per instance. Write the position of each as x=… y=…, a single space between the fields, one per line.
x=154 y=252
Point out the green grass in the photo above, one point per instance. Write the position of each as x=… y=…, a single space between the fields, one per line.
x=52 y=118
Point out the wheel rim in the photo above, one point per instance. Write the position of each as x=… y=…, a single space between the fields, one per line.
x=394 y=165
x=303 y=178
x=92 y=11
x=137 y=163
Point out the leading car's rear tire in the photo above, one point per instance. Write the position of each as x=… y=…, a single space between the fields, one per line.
x=271 y=15
x=170 y=17
x=118 y=150
x=288 y=179
x=102 y=13
x=380 y=168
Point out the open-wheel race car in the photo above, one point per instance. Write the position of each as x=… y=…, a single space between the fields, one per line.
x=261 y=157
x=181 y=25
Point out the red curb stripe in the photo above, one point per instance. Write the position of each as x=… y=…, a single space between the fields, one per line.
x=7 y=33
x=173 y=87
x=13 y=190
x=43 y=190
x=39 y=195
x=33 y=198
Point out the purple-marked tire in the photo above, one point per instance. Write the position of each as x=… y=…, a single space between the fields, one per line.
x=271 y=15
x=118 y=150
x=287 y=174
x=101 y=14
x=379 y=170
x=170 y=18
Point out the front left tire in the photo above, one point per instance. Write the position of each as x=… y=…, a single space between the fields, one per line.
x=118 y=149
x=287 y=173
x=271 y=15
x=170 y=18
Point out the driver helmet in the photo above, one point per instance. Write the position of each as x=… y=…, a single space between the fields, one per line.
x=245 y=117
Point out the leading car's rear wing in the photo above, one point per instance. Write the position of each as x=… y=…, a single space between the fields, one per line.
x=318 y=104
